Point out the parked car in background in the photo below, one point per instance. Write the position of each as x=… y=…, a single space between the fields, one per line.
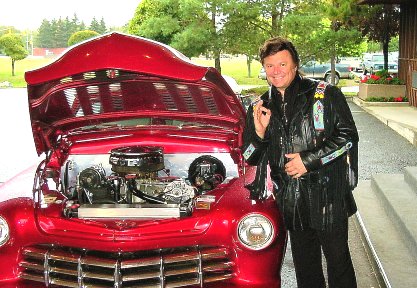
x=317 y=70
x=262 y=74
x=373 y=62
x=143 y=179
x=233 y=84
x=354 y=62
x=246 y=100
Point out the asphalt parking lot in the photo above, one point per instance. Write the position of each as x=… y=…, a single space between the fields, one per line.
x=17 y=147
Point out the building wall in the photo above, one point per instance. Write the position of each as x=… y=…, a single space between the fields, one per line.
x=408 y=49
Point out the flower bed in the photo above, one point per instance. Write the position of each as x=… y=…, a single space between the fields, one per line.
x=389 y=99
x=382 y=87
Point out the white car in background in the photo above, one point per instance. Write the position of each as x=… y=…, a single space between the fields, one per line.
x=262 y=74
x=373 y=62
x=233 y=84
x=354 y=62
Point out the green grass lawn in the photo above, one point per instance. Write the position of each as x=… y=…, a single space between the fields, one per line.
x=19 y=69
x=236 y=68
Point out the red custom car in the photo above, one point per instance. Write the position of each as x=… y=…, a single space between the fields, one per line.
x=143 y=179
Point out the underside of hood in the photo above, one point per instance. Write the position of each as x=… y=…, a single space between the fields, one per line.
x=121 y=76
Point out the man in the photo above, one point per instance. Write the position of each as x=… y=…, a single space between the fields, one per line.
x=306 y=132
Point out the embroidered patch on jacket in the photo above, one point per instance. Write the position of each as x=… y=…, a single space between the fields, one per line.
x=336 y=154
x=320 y=90
x=318 y=115
x=249 y=151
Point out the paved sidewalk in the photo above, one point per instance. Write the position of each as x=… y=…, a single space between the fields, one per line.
x=385 y=191
x=350 y=89
x=401 y=117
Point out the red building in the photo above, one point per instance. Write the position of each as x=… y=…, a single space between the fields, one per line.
x=48 y=52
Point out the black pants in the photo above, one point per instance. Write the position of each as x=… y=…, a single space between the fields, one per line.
x=306 y=249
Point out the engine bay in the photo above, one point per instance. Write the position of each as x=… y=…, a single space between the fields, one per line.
x=141 y=182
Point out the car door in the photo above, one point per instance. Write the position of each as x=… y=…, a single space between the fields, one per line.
x=308 y=69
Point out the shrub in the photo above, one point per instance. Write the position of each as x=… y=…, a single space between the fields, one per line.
x=389 y=99
x=80 y=36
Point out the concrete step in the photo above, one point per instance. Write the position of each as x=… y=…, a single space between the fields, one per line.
x=400 y=202
x=392 y=256
x=410 y=176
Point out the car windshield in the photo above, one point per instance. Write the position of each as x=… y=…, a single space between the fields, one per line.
x=144 y=123
x=378 y=58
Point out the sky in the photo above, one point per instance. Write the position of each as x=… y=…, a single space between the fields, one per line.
x=24 y=14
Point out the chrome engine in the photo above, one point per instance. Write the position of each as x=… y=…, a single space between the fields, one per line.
x=135 y=183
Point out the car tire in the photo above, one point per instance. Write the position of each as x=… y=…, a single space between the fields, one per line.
x=328 y=78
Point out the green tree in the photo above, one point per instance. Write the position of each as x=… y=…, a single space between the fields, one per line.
x=45 y=35
x=250 y=23
x=68 y=29
x=99 y=27
x=328 y=35
x=195 y=36
x=94 y=25
x=61 y=35
x=56 y=33
x=4 y=30
x=13 y=47
x=379 y=23
x=80 y=36
x=192 y=26
x=341 y=37
x=7 y=29
x=245 y=41
x=302 y=20
x=75 y=25
x=102 y=27
x=272 y=14
x=394 y=44
x=157 y=20
x=213 y=27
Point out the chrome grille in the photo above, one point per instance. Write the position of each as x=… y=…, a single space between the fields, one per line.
x=163 y=268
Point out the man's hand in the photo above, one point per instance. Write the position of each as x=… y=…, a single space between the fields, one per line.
x=261 y=118
x=295 y=166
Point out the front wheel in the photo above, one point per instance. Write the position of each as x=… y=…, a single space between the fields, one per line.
x=328 y=78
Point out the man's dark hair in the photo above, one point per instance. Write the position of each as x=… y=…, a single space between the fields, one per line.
x=275 y=45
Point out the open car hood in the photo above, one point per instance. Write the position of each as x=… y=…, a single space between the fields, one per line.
x=118 y=76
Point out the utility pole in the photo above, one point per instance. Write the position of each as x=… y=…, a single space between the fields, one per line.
x=29 y=42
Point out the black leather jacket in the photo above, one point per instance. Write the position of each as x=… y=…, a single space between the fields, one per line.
x=323 y=196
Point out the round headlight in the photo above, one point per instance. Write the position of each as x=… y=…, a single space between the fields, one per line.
x=4 y=231
x=255 y=231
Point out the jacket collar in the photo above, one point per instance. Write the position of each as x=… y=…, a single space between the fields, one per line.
x=306 y=86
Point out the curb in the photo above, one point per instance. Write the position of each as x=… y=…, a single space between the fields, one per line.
x=377 y=266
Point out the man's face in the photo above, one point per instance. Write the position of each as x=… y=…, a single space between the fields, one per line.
x=280 y=70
